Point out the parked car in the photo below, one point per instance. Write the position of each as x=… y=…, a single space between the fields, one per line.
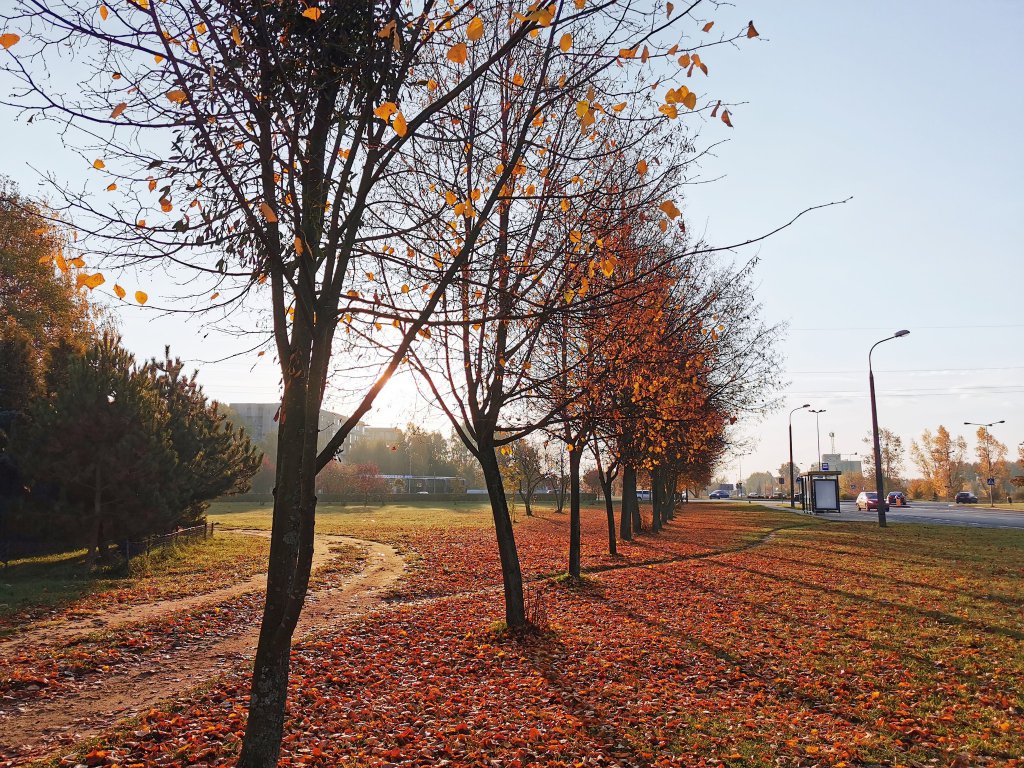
x=718 y=495
x=896 y=499
x=866 y=501
x=966 y=497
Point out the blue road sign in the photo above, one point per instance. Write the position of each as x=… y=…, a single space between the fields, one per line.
x=991 y=481
x=824 y=466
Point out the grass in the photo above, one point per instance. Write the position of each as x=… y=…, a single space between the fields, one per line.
x=34 y=586
x=359 y=520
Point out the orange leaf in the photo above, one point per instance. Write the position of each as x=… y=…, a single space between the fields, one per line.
x=641 y=167
x=312 y=14
x=458 y=53
x=99 y=165
x=8 y=39
x=236 y=34
x=400 y=126
x=104 y=12
x=669 y=209
x=475 y=29
x=751 y=31
x=708 y=26
x=268 y=213
x=141 y=297
x=119 y=291
x=565 y=43
x=166 y=205
x=118 y=111
x=690 y=100
x=89 y=281
x=386 y=110
x=725 y=118
x=177 y=96
x=111 y=187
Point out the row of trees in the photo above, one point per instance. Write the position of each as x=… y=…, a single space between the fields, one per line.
x=488 y=194
x=109 y=449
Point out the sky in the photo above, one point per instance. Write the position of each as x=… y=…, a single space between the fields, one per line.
x=911 y=112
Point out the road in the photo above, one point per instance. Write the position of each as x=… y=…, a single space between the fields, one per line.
x=933 y=512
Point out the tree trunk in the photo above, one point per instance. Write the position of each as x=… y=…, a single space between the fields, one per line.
x=527 y=497
x=575 y=537
x=656 y=500
x=97 y=507
x=609 y=508
x=511 y=574
x=626 y=514
x=291 y=551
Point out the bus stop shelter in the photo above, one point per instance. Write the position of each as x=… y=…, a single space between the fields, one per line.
x=820 y=491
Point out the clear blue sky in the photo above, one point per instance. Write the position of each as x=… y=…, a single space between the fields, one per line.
x=915 y=110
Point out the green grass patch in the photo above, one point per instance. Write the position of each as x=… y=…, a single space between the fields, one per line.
x=34 y=586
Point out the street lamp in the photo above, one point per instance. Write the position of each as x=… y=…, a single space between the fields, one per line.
x=817 y=429
x=792 y=479
x=879 y=480
x=991 y=488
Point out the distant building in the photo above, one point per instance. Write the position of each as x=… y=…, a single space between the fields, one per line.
x=836 y=463
x=260 y=421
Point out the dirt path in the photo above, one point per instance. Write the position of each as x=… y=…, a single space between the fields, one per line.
x=43 y=727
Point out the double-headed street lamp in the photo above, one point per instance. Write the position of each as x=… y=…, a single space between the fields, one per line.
x=792 y=479
x=879 y=480
x=817 y=428
x=991 y=488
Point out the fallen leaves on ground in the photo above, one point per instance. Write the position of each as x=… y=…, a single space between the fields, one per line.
x=820 y=645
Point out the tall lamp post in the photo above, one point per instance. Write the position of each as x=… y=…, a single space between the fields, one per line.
x=879 y=480
x=817 y=429
x=792 y=479
x=991 y=488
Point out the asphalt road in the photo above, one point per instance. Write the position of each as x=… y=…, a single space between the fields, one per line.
x=931 y=512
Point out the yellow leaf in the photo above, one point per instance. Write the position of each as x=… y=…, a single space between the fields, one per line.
x=751 y=31
x=143 y=4
x=386 y=110
x=99 y=165
x=641 y=167
x=119 y=291
x=312 y=13
x=619 y=107
x=89 y=281
x=118 y=111
x=400 y=126
x=450 y=197
x=669 y=110
x=141 y=297
x=458 y=53
x=565 y=205
x=177 y=96
x=475 y=29
x=669 y=209
x=236 y=34
x=268 y=213
x=565 y=43
x=708 y=26
x=78 y=261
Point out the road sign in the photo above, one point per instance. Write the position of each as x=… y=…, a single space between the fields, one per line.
x=991 y=481
x=824 y=466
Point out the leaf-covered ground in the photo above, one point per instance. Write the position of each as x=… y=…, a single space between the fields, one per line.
x=58 y=586
x=801 y=643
